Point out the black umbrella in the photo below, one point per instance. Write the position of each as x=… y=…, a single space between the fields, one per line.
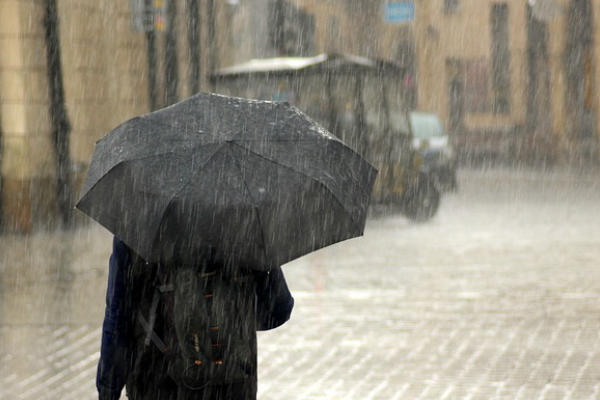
x=258 y=182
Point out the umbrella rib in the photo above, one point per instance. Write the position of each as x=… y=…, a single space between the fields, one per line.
x=189 y=182
x=301 y=173
x=115 y=166
x=184 y=186
x=142 y=157
x=268 y=159
x=255 y=206
x=216 y=140
x=277 y=106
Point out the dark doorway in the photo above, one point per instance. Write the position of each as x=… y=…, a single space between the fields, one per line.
x=538 y=104
x=499 y=21
x=456 y=101
x=537 y=143
x=580 y=66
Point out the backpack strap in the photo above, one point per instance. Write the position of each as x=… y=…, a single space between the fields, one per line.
x=148 y=325
x=217 y=351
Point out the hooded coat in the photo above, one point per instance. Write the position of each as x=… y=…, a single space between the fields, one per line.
x=144 y=375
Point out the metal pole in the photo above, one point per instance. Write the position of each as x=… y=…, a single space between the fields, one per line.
x=171 y=64
x=152 y=76
x=1 y=151
x=359 y=111
x=194 y=44
x=61 y=126
x=212 y=34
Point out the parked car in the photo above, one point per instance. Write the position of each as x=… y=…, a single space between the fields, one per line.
x=437 y=166
x=431 y=140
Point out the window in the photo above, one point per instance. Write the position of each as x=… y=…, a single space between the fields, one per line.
x=476 y=86
x=469 y=81
x=333 y=35
x=451 y=6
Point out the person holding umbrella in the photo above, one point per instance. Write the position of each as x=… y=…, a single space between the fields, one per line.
x=223 y=191
x=126 y=361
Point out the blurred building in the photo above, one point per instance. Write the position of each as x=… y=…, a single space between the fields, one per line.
x=101 y=70
x=513 y=79
x=71 y=70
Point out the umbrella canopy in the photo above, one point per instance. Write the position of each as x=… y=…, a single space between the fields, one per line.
x=258 y=182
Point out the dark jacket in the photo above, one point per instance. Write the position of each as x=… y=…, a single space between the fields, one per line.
x=274 y=305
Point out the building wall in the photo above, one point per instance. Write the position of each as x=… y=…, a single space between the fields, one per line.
x=103 y=69
x=466 y=35
x=25 y=118
x=334 y=31
x=105 y=65
x=106 y=82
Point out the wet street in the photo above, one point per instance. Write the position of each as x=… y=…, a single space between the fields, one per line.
x=498 y=297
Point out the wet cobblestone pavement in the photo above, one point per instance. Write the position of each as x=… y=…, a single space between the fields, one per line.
x=497 y=298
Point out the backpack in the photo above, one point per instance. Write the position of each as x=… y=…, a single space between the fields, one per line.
x=206 y=319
